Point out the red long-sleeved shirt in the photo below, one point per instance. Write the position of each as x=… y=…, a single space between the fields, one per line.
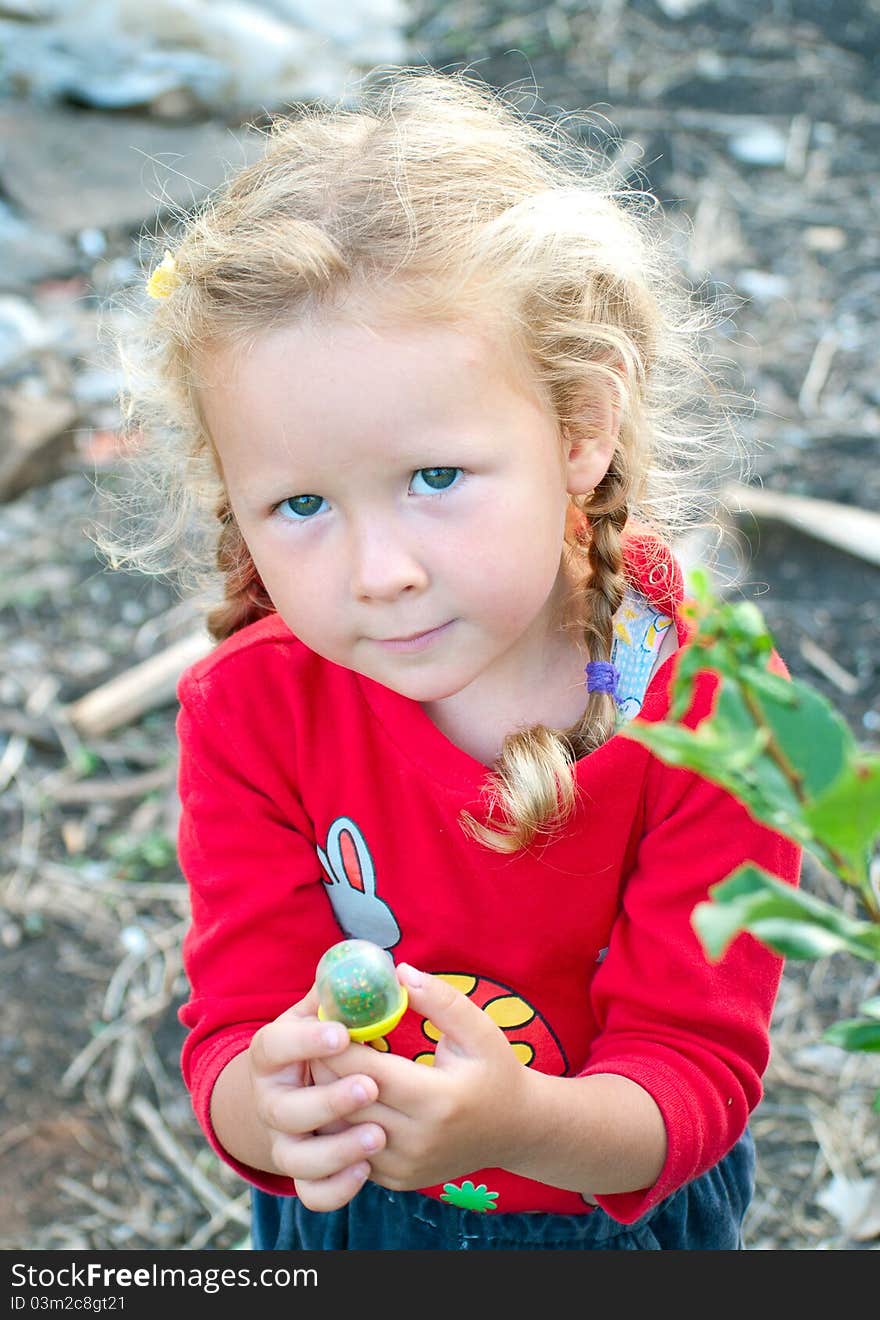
x=318 y=804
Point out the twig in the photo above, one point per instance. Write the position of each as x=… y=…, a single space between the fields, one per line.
x=107 y=1209
x=827 y=665
x=106 y=887
x=148 y=684
x=161 y=943
x=125 y=1065
x=14 y=1136
x=12 y=759
x=796 y=147
x=40 y=731
x=28 y=848
x=817 y=372
x=96 y=1046
x=852 y=529
x=217 y=1221
x=108 y=790
x=181 y=1161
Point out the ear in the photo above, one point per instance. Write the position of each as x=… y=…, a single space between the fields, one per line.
x=591 y=440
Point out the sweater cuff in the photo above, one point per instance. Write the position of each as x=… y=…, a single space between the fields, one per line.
x=680 y=1115
x=214 y=1057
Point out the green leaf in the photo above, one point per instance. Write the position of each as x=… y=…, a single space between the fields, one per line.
x=846 y=817
x=712 y=750
x=792 y=922
x=772 y=686
x=807 y=728
x=796 y=939
x=728 y=750
x=699 y=583
x=718 y=923
x=854 y=1034
x=871 y=1007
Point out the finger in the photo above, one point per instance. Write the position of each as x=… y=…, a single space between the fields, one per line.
x=389 y=1072
x=293 y=1039
x=322 y=1156
x=464 y=1026
x=334 y=1192
x=298 y=1110
x=307 y=1006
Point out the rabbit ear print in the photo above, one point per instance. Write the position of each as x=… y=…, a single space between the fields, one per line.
x=351 y=886
x=347 y=859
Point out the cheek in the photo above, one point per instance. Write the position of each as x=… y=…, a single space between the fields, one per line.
x=511 y=580
x=300 y=594
x=521 y=548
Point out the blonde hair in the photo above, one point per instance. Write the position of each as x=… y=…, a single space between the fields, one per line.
x=436 y=194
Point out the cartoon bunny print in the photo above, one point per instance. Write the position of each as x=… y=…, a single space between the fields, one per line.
x=351 y=886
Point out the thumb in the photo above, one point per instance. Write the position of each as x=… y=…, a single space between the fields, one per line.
x=463 y=1026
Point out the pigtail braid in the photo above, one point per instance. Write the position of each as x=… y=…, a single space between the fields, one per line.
x=607 y=512
x=245 y=599
x=532 y=782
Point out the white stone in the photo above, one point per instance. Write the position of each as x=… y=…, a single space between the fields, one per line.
x=760 y=145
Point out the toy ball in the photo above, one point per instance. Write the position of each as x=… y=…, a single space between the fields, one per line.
x=357 y=986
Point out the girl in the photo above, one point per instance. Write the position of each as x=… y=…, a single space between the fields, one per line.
x=438 y=383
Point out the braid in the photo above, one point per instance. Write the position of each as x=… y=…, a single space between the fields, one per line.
x=245 y=599
x=607 y=513
x=532 y=782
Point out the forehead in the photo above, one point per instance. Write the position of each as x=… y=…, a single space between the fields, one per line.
x=317 y=339
x=317 y=377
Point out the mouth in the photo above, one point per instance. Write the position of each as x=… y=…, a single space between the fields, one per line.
x=415 y=641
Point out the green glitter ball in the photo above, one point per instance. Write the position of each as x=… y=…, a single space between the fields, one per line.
x=357 y=984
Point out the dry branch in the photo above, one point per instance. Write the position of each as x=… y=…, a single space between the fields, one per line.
x=180 y=1159
x=146 y=685
x=844 y=525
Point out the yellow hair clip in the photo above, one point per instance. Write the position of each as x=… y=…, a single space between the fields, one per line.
x=165 y=278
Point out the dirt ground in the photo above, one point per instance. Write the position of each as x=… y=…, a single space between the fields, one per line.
x=98 y=1148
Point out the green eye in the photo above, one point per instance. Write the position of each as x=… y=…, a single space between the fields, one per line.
x=437 y=478
x=299 y=507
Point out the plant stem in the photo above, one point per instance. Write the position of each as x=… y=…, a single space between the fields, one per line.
x=796 y=781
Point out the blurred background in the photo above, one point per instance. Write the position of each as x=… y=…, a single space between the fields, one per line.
x=757 y=125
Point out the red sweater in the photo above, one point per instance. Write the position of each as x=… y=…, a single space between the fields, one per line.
x=319 y=804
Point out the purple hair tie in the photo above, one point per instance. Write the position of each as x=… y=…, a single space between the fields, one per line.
x=602 y=676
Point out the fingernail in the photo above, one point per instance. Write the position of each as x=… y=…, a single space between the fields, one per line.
x=410 y=975
x=333 y=1036
x=369 y=1140
x=361 y=1171
x=359 y=1093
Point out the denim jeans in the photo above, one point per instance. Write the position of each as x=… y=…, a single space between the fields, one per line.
x=703 y=1215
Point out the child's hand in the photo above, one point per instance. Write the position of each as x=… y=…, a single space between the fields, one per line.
x=309 y=1143
x=459 y=1115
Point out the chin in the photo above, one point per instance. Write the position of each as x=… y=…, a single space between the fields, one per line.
x=421 y=688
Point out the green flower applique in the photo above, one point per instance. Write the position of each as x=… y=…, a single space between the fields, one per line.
x=469 y=1197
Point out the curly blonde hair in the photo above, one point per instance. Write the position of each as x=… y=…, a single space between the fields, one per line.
x=434 y=192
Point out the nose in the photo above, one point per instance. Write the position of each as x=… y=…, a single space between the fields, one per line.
x=384 y=562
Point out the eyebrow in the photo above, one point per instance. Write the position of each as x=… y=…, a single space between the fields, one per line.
x=434 y=454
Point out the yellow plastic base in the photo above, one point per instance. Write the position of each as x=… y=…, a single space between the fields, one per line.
x=376 y=1029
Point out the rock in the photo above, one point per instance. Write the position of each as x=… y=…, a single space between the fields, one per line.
x=761 y=144
x=81 y=170
x=227 y=56
x=23 y=332
x=36 y=438
x=29 y=254
x=763 y=285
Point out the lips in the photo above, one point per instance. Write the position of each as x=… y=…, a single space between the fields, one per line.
x=412 y=637
x=414 y=641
